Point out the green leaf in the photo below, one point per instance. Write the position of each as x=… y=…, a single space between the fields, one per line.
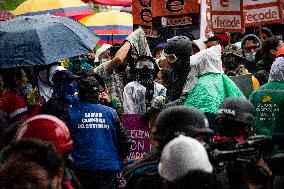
x=10 y=4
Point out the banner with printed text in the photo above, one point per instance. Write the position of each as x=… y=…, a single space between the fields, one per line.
x=175 y=13
x=227 y=16
x=262 y=12
x=142 y=16
x=205 y=20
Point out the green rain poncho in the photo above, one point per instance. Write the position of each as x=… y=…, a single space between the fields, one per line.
x=212 y=85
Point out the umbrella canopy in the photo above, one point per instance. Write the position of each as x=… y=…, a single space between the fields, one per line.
x=126 y=3
x=112 y=27
x=6 y=15
x=42 y=40
x=74 y=9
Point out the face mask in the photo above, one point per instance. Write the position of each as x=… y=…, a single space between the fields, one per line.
x=250 y=56
x=104 y=61
x=145 y=76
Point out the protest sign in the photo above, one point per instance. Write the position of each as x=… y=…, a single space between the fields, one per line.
x=205 y=20
x=261 y=12
x=139 y=133
x=227 y=16
x=142 y=16
x=175 y=13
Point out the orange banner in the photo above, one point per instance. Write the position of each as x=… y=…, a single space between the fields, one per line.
x=175 y=13
x=142 y=12
x=174 y=7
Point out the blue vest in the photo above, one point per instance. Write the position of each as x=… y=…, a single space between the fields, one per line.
x=93 y=132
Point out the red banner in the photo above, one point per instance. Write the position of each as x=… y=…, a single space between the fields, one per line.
x=172 y=13
x=262 y=12
x=227 y=16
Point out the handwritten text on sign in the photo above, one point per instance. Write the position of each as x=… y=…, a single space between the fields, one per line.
x=139 y=133
x=227 y=16
x=259 y=12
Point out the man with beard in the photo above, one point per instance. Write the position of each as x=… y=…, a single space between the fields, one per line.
x=138 y=95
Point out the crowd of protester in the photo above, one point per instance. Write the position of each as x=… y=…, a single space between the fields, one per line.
x=61 y=124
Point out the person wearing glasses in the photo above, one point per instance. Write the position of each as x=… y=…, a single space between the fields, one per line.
x=250 y=45
x=177 y=53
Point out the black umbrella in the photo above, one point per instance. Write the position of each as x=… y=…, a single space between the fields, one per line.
x=42 y=40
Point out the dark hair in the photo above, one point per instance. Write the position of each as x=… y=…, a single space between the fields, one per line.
x=41 y=152
x=3 y=122
x=213 y=38
x=9 y=133
x=9 y=77
x=90 y=73
x=193 y=180
x=88 y=89
x=264 y=30
x=268 y=58
x=114 y=48
x=165 y=74
x=251 y=38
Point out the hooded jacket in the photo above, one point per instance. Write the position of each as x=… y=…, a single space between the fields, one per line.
x=180 y=69
x=251 y=66
x=212 y=86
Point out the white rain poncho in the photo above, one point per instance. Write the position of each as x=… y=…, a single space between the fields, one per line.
x=212 y=86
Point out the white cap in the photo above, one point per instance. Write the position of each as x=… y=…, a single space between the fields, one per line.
x=182 y=155
x=103 y=48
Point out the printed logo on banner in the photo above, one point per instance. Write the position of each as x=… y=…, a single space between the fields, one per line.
x=175 y=5
x=173 y=13
x=142 y=13
x=261 y=12
x=205 y=20
x=227 y=16
x=142 y=16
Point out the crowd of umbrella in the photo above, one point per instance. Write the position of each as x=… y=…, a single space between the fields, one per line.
x=46 y=31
